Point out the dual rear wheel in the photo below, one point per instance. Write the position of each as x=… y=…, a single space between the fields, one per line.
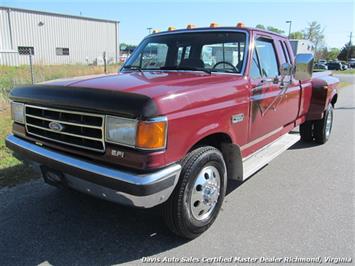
x=318 y=130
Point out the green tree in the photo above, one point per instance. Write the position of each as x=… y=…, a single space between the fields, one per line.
x=273 y=29
x=326 y=54
x=332 y=54
x=347 y=52
x=314 y=33
x=269 y=28
x=127 y=47
x=297 y=35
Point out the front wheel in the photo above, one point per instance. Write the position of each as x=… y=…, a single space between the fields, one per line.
x=199 y=194
x=323 y=127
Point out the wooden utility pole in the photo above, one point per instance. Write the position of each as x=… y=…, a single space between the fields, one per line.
x=349 y=47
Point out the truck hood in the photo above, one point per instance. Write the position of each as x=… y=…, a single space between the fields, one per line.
x=132 y=94
x=151 y=84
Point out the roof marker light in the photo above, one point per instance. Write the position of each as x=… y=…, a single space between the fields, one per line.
x=156 y=31
x=171 y=28
x=190 y=26
x=240 y=25
x=213 y=25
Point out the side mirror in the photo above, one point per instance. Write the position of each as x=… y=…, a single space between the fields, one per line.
x=285 y=70
x=303 y=67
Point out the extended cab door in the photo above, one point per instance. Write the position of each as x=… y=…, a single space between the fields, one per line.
x=270 y=109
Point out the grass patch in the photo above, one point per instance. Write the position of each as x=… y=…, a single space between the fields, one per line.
x=12 y=171
x=343 y=84
x=348 y=71
x=11 y=76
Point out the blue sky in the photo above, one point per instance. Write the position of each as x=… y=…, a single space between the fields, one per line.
x=337 y=17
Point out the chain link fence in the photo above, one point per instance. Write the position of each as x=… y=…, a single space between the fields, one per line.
x=24 y=67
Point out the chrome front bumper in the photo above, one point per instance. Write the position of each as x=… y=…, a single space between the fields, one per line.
x=139 y=190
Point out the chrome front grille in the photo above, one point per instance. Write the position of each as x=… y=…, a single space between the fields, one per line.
x=78 y=129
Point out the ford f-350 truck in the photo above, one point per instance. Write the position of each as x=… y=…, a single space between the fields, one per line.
x=188 y=111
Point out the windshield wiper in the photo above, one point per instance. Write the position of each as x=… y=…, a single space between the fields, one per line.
x=132 y=67
x=186 y=68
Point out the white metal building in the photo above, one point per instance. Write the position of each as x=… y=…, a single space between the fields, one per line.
x=55 y=38
x=302 y=46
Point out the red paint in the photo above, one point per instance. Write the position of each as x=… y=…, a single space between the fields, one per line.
x=198 y=104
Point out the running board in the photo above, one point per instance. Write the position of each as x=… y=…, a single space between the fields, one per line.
x=262 y=157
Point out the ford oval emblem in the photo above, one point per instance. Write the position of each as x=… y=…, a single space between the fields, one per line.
x=56 y=126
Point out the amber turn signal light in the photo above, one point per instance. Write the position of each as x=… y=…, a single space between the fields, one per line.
x=151 y=135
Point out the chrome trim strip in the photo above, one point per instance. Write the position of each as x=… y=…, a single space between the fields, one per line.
x=64 y=133
x=65 y=111
x=66 y=143
x=255 y=141
x=156 y=119
x=63 y=122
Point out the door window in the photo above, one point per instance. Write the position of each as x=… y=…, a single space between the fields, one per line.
x=267 y=57
x=255 y=71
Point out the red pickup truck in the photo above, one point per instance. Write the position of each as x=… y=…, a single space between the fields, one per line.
x=188 y=111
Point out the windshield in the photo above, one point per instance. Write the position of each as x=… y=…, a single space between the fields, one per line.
x=195 y=51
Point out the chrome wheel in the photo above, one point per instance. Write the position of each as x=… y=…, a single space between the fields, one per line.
x=205 y=193
x=328 y=123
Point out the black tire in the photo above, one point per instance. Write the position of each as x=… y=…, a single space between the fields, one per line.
x=177 y=211
x=321 y=131
x=306 y=131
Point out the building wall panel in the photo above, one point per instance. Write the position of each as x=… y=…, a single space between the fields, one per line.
x=87 y=39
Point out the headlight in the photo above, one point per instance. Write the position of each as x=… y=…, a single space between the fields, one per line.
x=18 y=112
x=121 y=130
x=148 y=135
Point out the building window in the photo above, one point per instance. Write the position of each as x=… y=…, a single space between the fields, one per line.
x=26 y=50
x=62 y=51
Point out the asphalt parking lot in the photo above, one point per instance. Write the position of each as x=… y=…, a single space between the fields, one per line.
x=300 y=205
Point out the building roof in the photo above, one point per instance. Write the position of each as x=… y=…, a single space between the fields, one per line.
x=57 y=14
